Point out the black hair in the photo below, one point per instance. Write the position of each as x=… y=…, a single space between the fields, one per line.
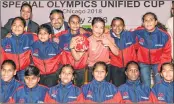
x=32 y=70
x=159 y=25
x=57 y=11
x=132 y=62
x=97 y=19
x=46 y=27
x=66 y=65
x=69 y=66
x=20 y=18
x=72 y=16
x=167 y=63
x=118 y=18
x=26 y=4
x=11 y=62
x=100 y=63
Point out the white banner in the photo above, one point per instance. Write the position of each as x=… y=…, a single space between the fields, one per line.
x=130 y=11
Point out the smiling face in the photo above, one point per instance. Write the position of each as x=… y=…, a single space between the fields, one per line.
x=43 y=35
x=57 y=20
x=7 y=72
x=17 y=27
x=74 y=23
x=98 y=29
x=167 y=73
x=132 y=72
x=26 y=12
x=66 y=75
x=31 y=81
x=99 y=73
x=149 y=22
x=117 y=26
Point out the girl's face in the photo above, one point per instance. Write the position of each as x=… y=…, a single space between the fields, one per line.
x=149 y=22
x=17 y=27
x=31 y=81
x=99 y=73
x=117 y=26
x=7 y=72
x=43 y=35
x=167 y=73
x=132 y=72
x=98 y=29
x=26 y=12
x=66 y=75
x=74 y=24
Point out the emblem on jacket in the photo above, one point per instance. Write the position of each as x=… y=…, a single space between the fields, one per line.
x=8 y=48
x=54 y=94
x=125 y=95
x=160 y=96
x=21 y=100
x=66 y=47
x=141 y=41
x=35 y=53
x=89 y=95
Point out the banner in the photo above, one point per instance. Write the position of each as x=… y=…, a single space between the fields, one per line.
x=130 y=11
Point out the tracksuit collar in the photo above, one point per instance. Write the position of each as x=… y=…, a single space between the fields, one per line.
x=155 y=31
x=65 y=86
x=14 y=35
x=47 y=42
x=167 y=83
x=114 y=35
x=131 y=83
x=11 y=82
x=30 y=89
x=97 y=82
x=73 y=35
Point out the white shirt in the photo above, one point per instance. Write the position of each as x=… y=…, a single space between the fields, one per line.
x=169 y=26
x=61 y=29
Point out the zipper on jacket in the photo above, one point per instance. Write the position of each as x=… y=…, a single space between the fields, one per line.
x=149 y=51
x=63 y=94
x=43 y=60
x=30 y=95
x=100 y=96
x=17 y=43
x=44 y=66
x=122 y=52
x=5 y=92
x=172 y=95
x=122 y=58
x=135 y=93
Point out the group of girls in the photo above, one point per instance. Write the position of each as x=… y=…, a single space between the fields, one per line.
x=97 y=91
x=113 y=58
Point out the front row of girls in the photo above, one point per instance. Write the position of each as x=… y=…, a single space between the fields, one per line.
x=115 y=48
x=98 y=90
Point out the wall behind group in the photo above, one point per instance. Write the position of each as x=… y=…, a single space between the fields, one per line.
x=130 y=11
